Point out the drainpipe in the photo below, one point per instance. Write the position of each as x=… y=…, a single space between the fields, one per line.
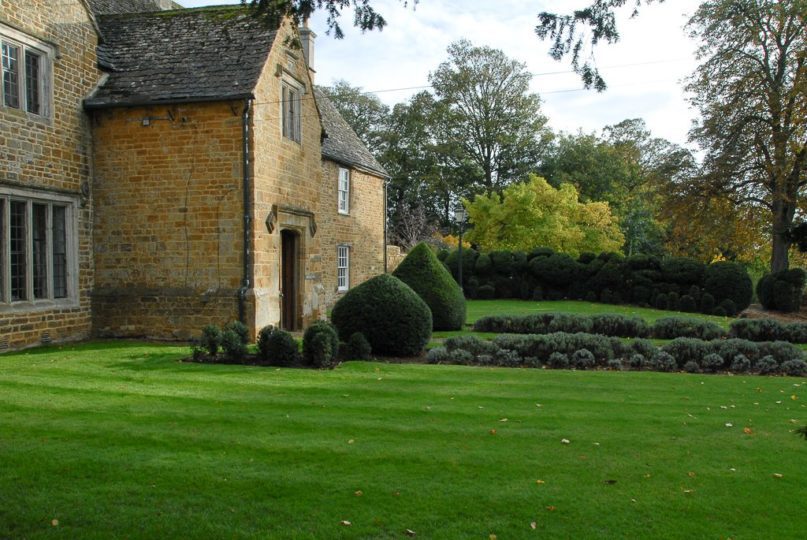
x=386 y=182
x=247 y=279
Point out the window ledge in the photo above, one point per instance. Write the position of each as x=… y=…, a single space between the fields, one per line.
x=29 y=306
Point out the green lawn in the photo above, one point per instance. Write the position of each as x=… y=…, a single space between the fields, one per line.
x=122 y=440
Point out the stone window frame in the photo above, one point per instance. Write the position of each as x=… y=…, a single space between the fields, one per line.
x=343 y=191
x=291 y=102
x=27 y=47
x=48 y=299
x=342 y=270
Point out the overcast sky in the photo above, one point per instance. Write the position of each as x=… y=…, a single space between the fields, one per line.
x=644 y=70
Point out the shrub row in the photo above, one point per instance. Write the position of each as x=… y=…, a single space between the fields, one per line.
x=603 y=324
x=321 y=347
x=679 y=284
x=585 y=351
x=768 y=330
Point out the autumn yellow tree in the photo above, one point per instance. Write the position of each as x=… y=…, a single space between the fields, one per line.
x=533 y=214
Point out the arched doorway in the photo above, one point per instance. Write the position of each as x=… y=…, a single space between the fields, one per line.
x=289 y=279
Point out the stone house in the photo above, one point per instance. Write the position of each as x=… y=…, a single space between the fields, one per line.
x=164 y=168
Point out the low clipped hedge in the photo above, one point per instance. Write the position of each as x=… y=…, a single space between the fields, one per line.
x=584 y=351
x=768 y=330
x=430 y=279
x=604 y=324
x=393 y=318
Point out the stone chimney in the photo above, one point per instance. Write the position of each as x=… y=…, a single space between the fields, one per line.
x=307 y=38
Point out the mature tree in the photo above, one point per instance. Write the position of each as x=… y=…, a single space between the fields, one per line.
x=489 y=113
x=626 y=167
x=570 y=33
x=531 y=214
x=365 y=16
x=365 y=113
x=751 y=91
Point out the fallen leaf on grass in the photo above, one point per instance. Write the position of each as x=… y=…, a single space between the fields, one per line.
x=551 y=508
x=54 y=522
x=503 y=420
x=778 y=475
x=493 y=432
x=409 y=532
x=794 y=397
x=358 y=493
x=729 y=424
x=565 y=441
x=492 y=536
x=533 y=525
x=539 y=482
x=688 y=491
x=350 y=441
x=748 y=430
x=691 y=474
x=345 y=523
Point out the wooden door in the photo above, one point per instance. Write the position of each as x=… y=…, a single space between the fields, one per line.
x=289 y=281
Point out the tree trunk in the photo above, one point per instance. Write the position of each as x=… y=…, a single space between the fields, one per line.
x=782 y=221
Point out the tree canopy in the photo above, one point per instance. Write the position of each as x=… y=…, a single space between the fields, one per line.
x=751 y=92
x=533 y=213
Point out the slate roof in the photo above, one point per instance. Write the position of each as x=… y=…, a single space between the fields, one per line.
x=108 y=7
x=188 y=55
x=341 y=143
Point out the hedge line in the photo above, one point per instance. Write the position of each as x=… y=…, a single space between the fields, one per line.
x=680 y=284
x=584 y=351
x=603 y=324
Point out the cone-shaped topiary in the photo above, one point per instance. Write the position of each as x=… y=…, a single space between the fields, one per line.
x=395 y=320
x=422 y=271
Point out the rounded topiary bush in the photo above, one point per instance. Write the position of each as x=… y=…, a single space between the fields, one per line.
x=395 y=320
x=794 y=368
x=740 y=364
x=583 y=359
x=211 y=339
x=766 y=365
x=357 y=347
x=665 y=362
x=431 y=281
x=781 y=291
x=320 y=345
x=277 y=346
x=729 y=281
x=558 y=360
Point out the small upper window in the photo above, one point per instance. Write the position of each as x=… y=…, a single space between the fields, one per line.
x=24 y=70
x=344 y=191
x=342 y=268
x=291 y=112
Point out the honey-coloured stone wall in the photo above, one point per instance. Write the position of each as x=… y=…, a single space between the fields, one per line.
x=51 y=156
x=362 y=229
x=169 y=219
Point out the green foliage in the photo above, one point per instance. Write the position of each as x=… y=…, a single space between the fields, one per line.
x=431 y=281
x=558 y=270
x=233 y=345
x=240 y=329
x=729 y=281
x=675 y=327
x=320 y=345
x=782 y=291
x=276 y=346
x=395 y=320
x=211 y=339
x=468 y=263
x=487 y=105
x=534 y=213
x=357 y=347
